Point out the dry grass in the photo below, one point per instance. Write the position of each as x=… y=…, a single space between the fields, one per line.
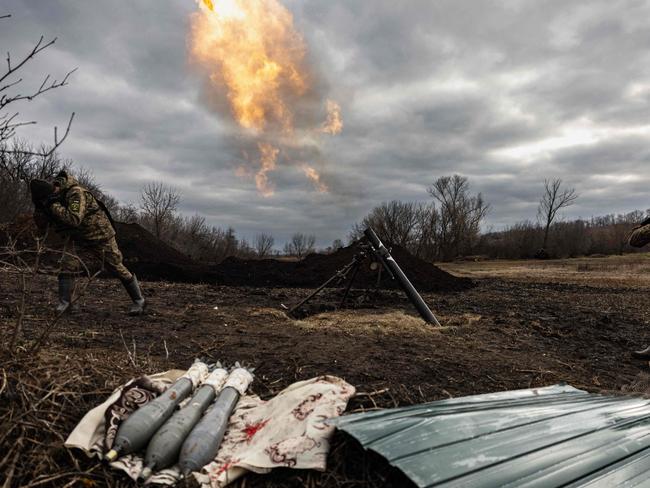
x=630 y=270
x=385 y=323
x=41 y=399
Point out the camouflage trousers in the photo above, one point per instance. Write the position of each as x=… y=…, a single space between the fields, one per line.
x=84 y=257
x=640 y=236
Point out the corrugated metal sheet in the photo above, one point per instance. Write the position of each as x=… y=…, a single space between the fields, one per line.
x=542 y=437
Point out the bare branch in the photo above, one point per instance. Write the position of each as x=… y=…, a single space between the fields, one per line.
x=554 y=199
x=9 y=93
x=9 y=85
x=300 y=245
x=159 y=203
x=46 y=152
x=37 y=49
x=15 y=260
x=459 y=216
x=263 y=244
x=44 y=88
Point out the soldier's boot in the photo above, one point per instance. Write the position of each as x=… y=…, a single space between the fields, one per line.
x=133 y=289
x=643 y=354
x=66 y=285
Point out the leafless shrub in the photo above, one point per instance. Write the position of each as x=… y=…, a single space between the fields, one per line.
x=159 y=203
x=19 y=167
x=336 y=245
x=126 y=213
x=395 y=221
x=26 y=265
x=263 y=244
x=300 y=245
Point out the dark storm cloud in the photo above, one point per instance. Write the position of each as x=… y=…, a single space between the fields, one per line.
x=507 y=93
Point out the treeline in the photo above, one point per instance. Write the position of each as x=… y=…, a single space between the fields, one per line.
x=603 y=235
x=448 y=228
x=158 y=212
x=441 y=230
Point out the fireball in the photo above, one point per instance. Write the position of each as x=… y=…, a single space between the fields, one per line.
x=255 y=58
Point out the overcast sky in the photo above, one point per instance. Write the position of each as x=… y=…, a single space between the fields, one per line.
x=507 y=93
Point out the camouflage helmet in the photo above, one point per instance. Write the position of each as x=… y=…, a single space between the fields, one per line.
x=61 y=178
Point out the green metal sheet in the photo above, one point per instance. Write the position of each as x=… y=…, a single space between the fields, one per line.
x=541 y=437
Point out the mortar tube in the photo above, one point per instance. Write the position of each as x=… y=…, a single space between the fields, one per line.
x=392 y=266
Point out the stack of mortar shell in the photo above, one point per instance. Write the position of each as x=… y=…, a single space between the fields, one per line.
x=135 y=432
x=165 y=445
x=202 y=444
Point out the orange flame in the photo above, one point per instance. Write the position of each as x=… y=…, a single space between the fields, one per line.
x=314 y=176
x=334 y=123
x=251 y=48
x=254 y=55
x=268 y=157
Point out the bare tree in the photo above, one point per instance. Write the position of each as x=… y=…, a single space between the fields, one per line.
x=553 y=199
x=426 y=245
x=395 y=222
x=126 y=213
x=158 y=203
x=263 y=244
x=300 y=245
x=196 y=226
x=245 y=251
x=459 y=215
x=11 y=95
x=229 y=243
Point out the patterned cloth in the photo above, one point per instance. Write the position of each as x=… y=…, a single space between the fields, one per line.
x=287 y=431
x=133 y=395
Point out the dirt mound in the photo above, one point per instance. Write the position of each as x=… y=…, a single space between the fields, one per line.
x=315 y=269
x=139 y=245
x=153 y=260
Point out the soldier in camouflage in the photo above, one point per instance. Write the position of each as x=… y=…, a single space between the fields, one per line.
x=74 y=212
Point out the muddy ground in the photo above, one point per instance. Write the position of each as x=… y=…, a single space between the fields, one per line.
x=504 y=333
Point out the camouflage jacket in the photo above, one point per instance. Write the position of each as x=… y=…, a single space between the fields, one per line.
x=77 y=214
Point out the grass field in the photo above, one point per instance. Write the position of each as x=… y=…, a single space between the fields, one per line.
x=625 y=270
